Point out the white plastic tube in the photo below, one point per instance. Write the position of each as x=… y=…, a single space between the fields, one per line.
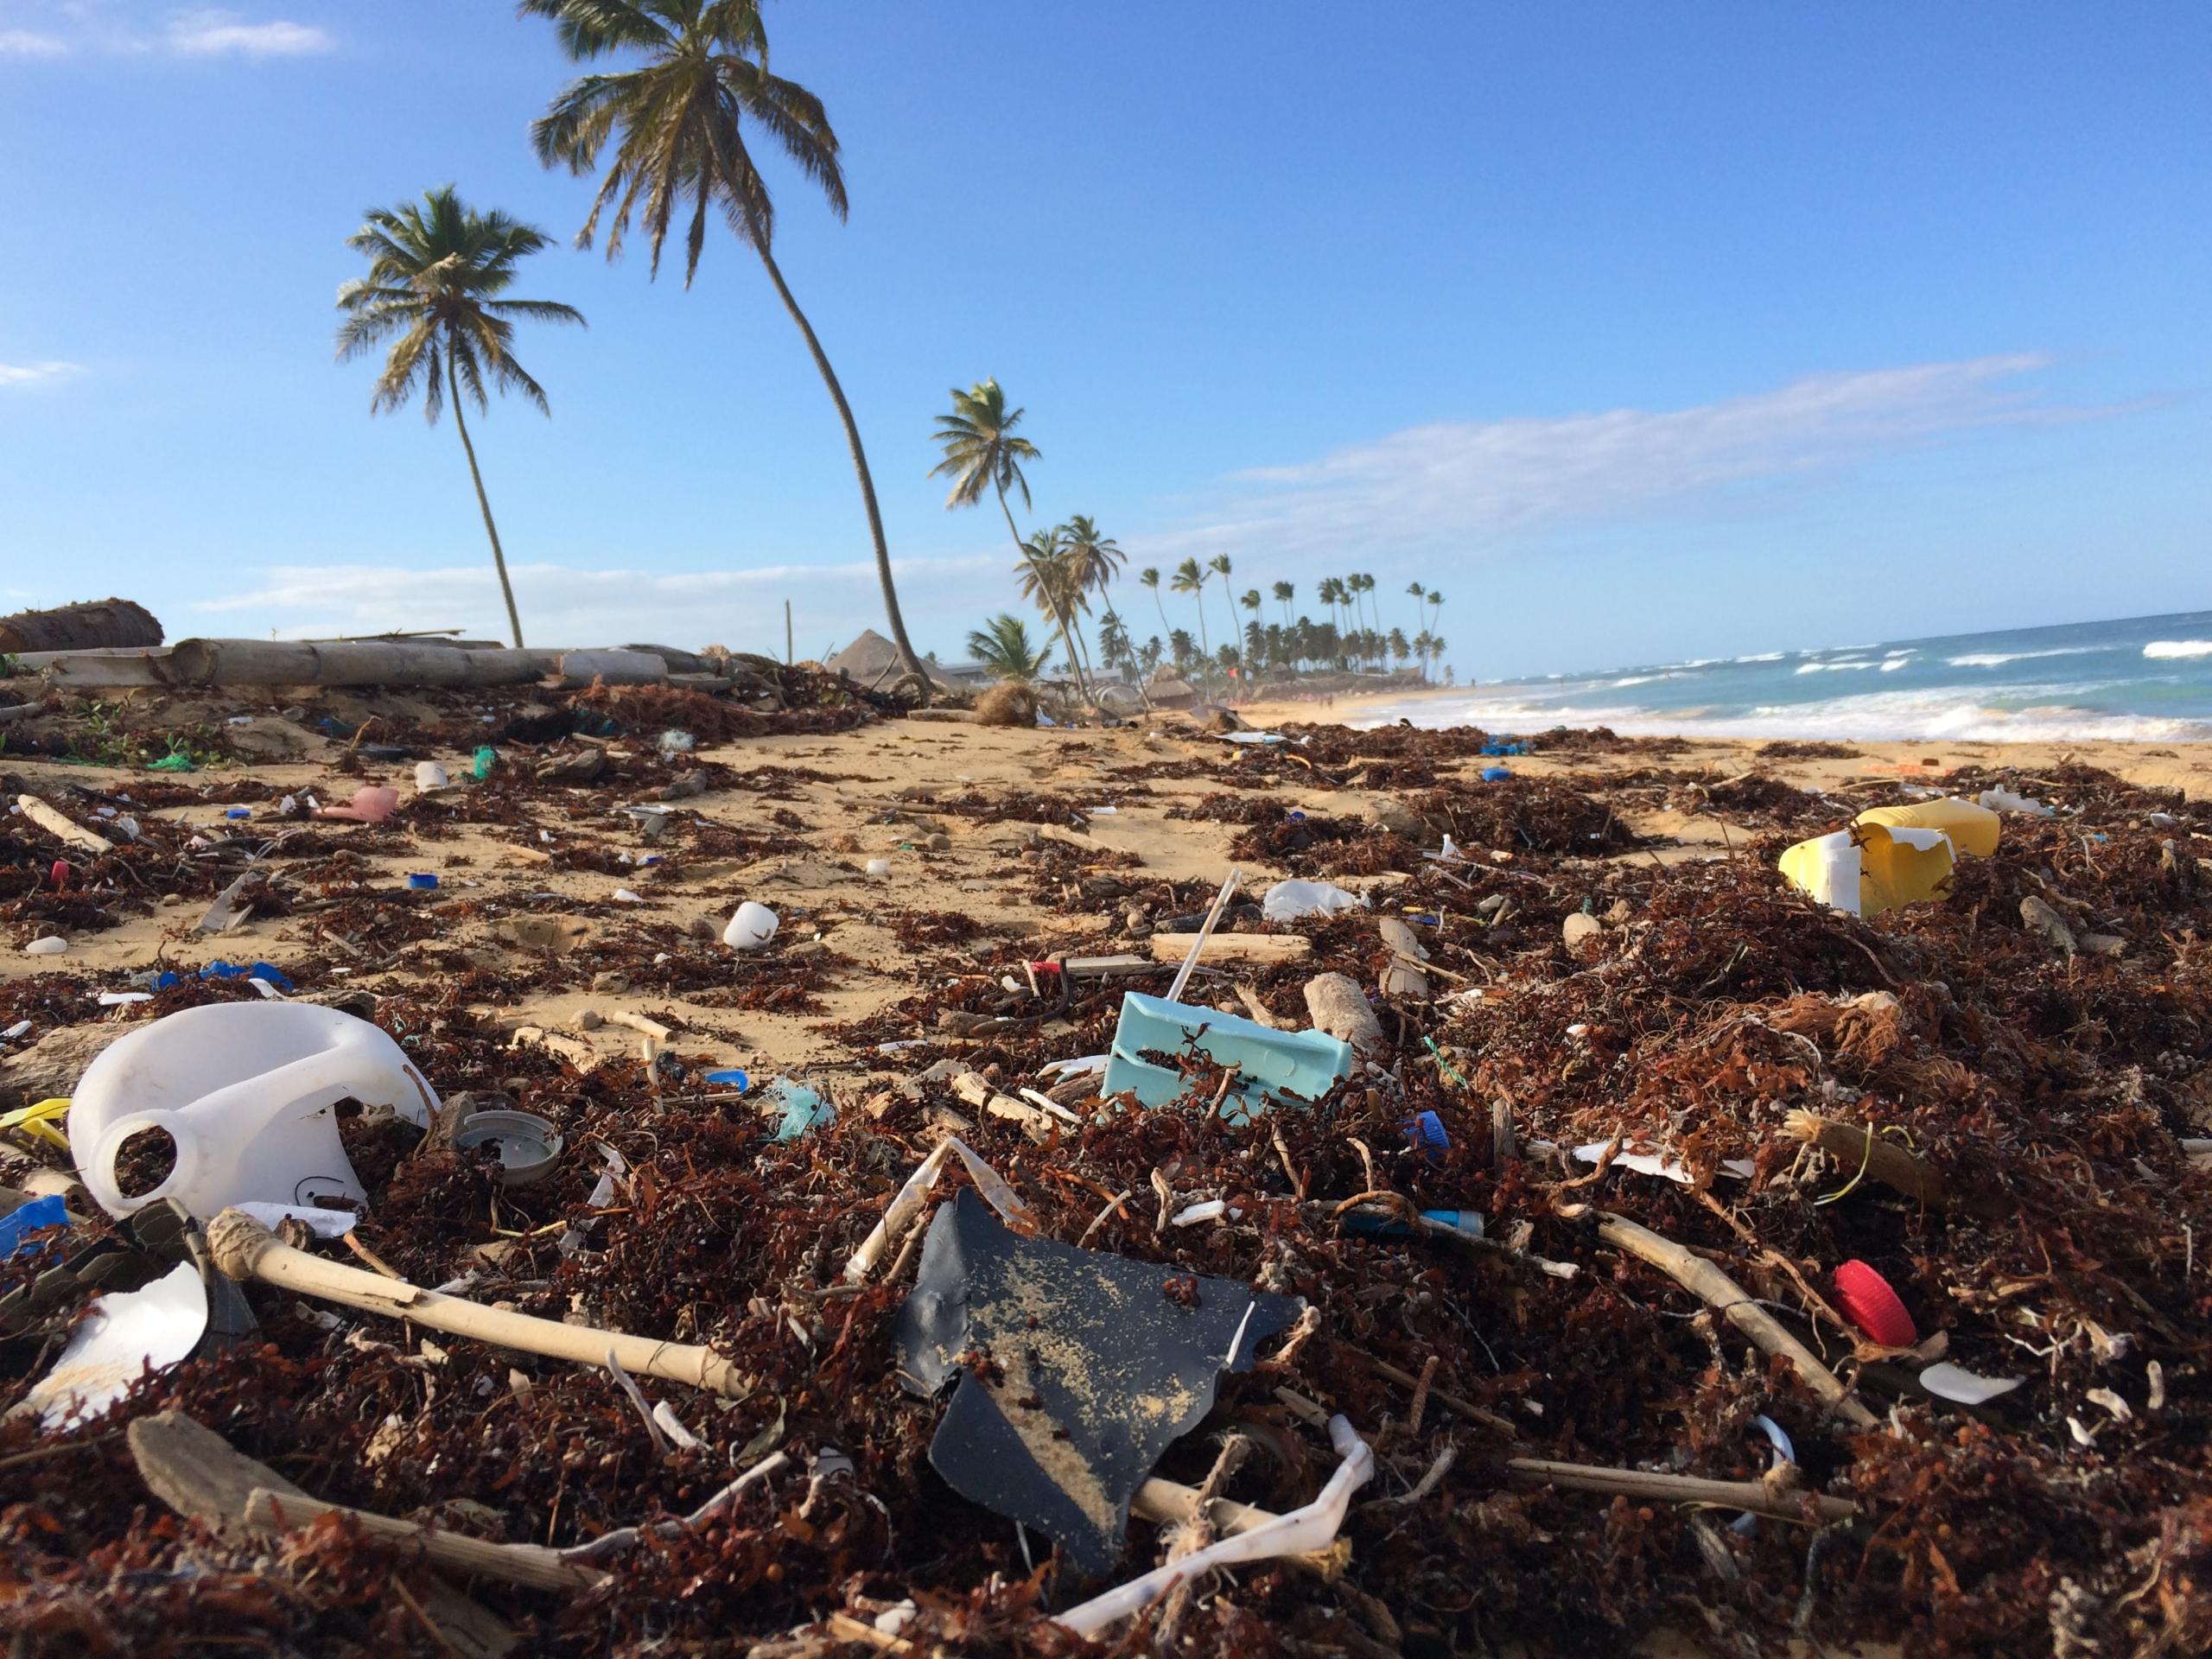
x=1302 y=1532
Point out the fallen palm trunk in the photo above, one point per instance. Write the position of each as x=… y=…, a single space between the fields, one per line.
x=360 y=661
x=1696 y=1274
x=95 y=624
x=1756 y=1497
x=244 y=1248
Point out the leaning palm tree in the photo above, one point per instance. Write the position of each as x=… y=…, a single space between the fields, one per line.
x=1284 y=593
x=1001 y=645
x=1095 y=559
x=1149 y=578
x=1046 y=579
x=436 y=271
x=677 y=123
x=1219 y=566
x=1190 y=579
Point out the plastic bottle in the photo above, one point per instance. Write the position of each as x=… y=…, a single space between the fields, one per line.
x=248 y=1094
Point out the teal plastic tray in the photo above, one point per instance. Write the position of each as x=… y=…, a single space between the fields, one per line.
x=1273 y=1064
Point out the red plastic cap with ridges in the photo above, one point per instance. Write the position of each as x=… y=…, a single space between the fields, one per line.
x=1873 y=1306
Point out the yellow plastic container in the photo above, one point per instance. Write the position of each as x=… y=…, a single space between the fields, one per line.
x=1972 y=827
x=1871 y=867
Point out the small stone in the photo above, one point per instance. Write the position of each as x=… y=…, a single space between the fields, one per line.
x=939 y=843
x=703 y=927
x=172 y=899
x=590 y=1019
x=1578 y=926
x=610 y=981
x=2104 y=944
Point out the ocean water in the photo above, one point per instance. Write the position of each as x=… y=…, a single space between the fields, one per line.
x=2144 y=679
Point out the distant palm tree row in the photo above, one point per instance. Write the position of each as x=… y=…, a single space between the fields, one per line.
x=1061 y=569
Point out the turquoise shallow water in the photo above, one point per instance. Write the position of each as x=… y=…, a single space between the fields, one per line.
x=2144 y=679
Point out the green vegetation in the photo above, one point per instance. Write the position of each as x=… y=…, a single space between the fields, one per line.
x=436 y=273
x=1002 y=646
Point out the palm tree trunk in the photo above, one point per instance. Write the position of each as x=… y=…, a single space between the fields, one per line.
x=1051 y=602
x=906 y=655
x=1161 y=605
x=499 y=557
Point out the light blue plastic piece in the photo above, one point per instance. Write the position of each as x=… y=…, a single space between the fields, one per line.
x=1275 y=1065
x=803 y=1109
x=47 y=1211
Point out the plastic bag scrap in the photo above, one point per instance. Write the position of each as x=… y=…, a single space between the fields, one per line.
x=1098 y=1364
x=1302 y=1532
x=1291 y=901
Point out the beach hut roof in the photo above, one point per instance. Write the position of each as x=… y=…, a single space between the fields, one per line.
x=872 y=658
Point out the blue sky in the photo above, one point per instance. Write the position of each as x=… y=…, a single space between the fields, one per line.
x=1643 y=331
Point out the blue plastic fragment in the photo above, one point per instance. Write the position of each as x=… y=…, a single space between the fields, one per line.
x=1467 y=1223
x=238 y=812
x=221 y=970
x=1272 y=1065
x=1497 y=774
x=733 y=1076
x=1425 y=1129
x=48 y=1212
x=1505 y=745
x=423 y=881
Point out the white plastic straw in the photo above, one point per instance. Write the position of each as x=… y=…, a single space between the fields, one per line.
x=1205 y=932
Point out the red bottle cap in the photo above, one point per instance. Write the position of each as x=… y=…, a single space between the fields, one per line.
x=1870 y=1304
x=60 y=873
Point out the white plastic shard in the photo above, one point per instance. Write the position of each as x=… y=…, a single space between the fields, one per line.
x=1949 y=1382
x=124 y=1337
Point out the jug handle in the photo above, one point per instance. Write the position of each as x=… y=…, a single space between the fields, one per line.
x=111 y=1145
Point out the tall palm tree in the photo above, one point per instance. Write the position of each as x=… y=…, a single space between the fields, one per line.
x=1331 y=592
x=1149 y=578
x=677 y=123
x=1190 y=579
x=1002 y=645
x=1419 y=594
x=1044 y=579
x=1220 y=567
x=1284 y=593
x=436 y=271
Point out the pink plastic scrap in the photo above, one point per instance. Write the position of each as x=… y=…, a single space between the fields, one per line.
x=372 y=804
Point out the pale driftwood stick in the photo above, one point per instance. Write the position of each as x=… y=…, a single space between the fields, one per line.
x=200 y=1474
x=244 y=1248
x=1260 y=1011
x=1754 y=1496
x=1231 y=947
x=1859 y=1145
x=532 y=1565
x=652 y=1027
x=1699 y=1277
x=1163 y=1501
x=60 y=827
x=1467 y=1408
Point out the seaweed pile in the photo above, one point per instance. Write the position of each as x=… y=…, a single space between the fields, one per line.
x=1705 y=1069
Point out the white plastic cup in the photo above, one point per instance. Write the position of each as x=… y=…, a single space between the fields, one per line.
x=752 y=926
x=879 y=867
x=429 y=774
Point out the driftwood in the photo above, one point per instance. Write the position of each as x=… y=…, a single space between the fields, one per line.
x=203 y=1477
x=531 y=1565
x=1339 y=1008
x=1231 y=947
x=1858 y=1145
x=244 y=1248
x=62 y=828
x=93 y=625
x=1699 y=1276
x=1778 y=1500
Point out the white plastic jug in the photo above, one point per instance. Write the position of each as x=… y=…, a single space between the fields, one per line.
x=248 y=1092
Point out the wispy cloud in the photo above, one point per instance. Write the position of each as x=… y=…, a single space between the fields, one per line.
x=37 y=374
x=31 y=43
x=58 y=28
x=1456 y=485
x=565 y=606
x=213 y=33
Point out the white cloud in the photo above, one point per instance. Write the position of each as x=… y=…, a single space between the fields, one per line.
x=37 y=374
x=213 y=33
x=565 y=606
x=56 y=29
x=1458 y=484
x=30 y=43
